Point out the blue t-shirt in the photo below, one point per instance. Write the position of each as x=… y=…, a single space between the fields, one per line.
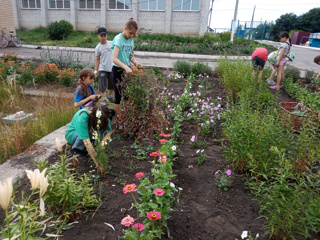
x=79 y=96
x=125 y=48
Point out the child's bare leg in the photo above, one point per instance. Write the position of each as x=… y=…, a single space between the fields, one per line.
x=117 y=109
x=260 y=74
x=280 y=76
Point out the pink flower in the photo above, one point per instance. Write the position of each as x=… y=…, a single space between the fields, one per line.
x=162 y=140
x=163 y=159
x=228 y=172
x=154 y=154
x=162 y=134
x=158 y=191
x=138 y=226
x=139 y=175
x=153 y=216
x=127 y=221
x=167 y=135
x=193 y=138
x=129 y=188
x=300 y=82
x=216 y=172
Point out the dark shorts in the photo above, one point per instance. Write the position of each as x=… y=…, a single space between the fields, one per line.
x=105 y=80
x=258 y=63
x=119 y=85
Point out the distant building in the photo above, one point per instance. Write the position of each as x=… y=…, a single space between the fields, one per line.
x=7 y=16
x=153 y=16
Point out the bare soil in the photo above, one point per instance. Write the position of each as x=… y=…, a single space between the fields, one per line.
x=202 y=210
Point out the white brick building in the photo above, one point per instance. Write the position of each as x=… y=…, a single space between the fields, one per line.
x=154 y=16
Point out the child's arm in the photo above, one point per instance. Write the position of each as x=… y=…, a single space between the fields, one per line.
x=83 y=101
x=92 y=153
x=318 y=75
x=134 y=61
x=116 y=60
x=280 y=57
x=96 y=67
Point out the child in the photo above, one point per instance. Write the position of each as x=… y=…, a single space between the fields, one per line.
x=272 y=59
x=85 y=93
x=281 y=59
x=122 y=47
x=78 y=132
x=259 y=58
x=317 y=61
x=103 y=64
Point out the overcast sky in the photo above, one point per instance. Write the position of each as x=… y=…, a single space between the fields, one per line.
x=223 y=10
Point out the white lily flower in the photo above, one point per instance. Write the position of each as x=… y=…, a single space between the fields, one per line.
x=43 y=188
x=98 y=113
x=5 y=193
x=35 y=177
x=58 y=143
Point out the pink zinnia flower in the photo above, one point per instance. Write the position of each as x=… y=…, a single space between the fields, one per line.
x=139 y=175
x=228 y=172
x=154 y=154
x=127 y=221
x=138 y=226
x=162 y=140
x=163 y=159
x=129 y=188
x=167 y=135
x=162 y=134
x=158 y=191
x=153 y=216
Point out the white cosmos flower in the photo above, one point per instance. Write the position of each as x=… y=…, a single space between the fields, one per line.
x=172 y=184
x=174 y=148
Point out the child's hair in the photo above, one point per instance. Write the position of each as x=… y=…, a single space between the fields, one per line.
x=84 y=89
x=106 y=114
x=131 y=23
x=317 y=59
x=285 y=34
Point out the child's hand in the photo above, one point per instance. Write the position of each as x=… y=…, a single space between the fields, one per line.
x=92 y=97
x=128 y=71
x=96 y=73
x=98 y=96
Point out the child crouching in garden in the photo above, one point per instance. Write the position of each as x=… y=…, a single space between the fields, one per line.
x=85 y=95
x=80 y=130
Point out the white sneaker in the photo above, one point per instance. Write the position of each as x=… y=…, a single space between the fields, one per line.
x=271 y=82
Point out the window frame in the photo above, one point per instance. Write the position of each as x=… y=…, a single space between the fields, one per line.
x=86 y=3
x=63 y=8
x=36 y=4
x=190 y=10
x=157 y=4
x=119 y=9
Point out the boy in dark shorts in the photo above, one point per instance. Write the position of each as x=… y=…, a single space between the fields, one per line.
x=259 y=58
x=104 y=65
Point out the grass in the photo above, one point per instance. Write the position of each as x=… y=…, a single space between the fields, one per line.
x=50 y=113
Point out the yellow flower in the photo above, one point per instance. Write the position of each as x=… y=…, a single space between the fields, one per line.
x=5 y=193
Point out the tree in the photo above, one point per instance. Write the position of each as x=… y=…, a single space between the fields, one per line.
x=310 y=21
x=286 y=22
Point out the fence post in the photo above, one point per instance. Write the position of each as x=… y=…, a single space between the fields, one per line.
x=264 y=28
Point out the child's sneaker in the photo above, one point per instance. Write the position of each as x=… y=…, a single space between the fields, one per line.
x=104 y=101
x=110 y=98
x=271 y=82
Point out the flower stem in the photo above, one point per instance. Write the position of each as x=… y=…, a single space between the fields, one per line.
x=8 y=223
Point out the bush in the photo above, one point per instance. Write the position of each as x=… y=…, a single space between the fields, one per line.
x=200 y=68
x=46 y=73
x=26 y=77
x=309 y=76
x=66 y=76
x=225 y=36
x=182 y=67
x=293 y=73
x=59 y=30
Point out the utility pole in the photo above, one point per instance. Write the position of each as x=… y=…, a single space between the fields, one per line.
x=251 y=25
x=210 y=14
x=234 y=20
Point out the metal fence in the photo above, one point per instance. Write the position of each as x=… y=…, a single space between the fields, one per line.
x=252 y=29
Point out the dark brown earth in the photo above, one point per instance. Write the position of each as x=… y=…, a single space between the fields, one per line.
x=202 y=211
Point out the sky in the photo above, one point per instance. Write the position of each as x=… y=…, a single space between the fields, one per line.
x=270 y=10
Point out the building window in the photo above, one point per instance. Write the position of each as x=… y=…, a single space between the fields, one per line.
x=186 y=5
x=31 y=4
x=64 y=4
x=90 y=4
x=157 y=5
x=120 y=4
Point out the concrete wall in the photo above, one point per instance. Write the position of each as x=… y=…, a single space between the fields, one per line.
x=7 y=16
x=168 y=21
